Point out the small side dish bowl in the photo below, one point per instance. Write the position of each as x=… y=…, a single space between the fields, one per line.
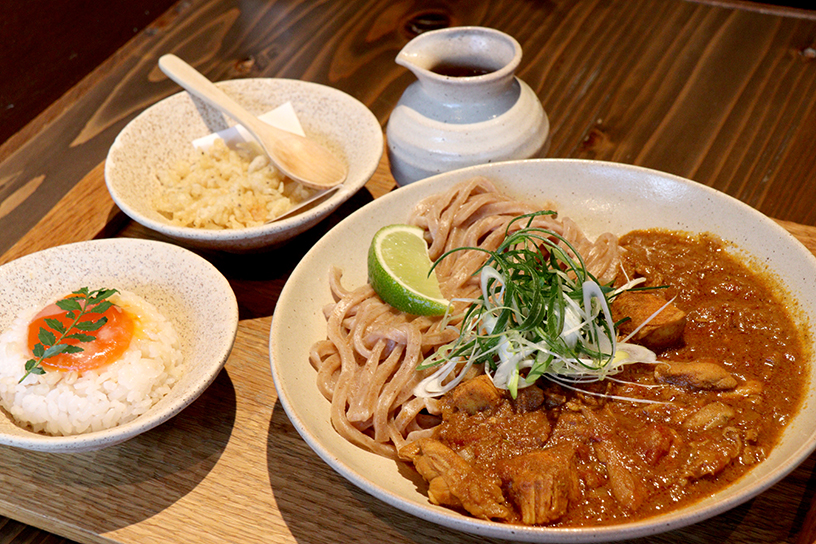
x=162 y=135
x=184 y=287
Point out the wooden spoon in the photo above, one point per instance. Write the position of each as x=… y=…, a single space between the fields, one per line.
x=297 y=157
x=301 y=205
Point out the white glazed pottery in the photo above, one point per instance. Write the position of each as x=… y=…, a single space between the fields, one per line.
x=185 y=288
x=600 y=197
x=453 y=117
x=155 y=140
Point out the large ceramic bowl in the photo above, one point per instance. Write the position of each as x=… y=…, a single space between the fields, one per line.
x=163 y=134
x=601 y=197
x=185 y=288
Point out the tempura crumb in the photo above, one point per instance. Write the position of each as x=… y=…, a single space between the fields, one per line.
x=226 y=188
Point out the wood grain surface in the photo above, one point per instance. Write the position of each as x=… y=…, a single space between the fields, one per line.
x=47 y=54
x=721 y=96
x=231 y=468
x=714 y=93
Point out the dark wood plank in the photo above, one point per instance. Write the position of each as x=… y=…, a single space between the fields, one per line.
x=717 y=95
x=700 y=89
x=48 y=47
x=225 y=420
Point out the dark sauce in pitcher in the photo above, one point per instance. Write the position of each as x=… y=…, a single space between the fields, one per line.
x=459 y=70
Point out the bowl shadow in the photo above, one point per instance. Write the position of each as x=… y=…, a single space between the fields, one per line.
x=256 y=278
x=130 y=482
x=318 y=505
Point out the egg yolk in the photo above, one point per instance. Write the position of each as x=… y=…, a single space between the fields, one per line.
x=110 y=342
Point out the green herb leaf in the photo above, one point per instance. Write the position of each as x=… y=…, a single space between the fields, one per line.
x=91 y=325
x=82 y=302
x=33 y=367
x=54 y=350
x=81 y=337
x=46 y=337
x=70 y=304
x=56 y=325
x=101 y=308
x=100 y=295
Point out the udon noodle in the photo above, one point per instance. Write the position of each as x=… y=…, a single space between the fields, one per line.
x=367 y=366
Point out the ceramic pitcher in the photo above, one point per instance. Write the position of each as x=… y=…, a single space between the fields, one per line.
x=467 y=107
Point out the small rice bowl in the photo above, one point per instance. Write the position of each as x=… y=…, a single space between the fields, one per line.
x=70 y=403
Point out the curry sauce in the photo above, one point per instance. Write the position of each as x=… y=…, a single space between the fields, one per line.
x=730 y=373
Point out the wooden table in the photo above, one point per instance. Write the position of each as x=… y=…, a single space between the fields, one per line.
x=718 y=92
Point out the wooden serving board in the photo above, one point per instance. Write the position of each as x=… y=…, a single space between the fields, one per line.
x=231 y=467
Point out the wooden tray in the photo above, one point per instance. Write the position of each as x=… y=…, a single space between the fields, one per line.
x=231 y=468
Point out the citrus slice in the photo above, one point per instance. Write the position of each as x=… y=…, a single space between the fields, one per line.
x=398 y=270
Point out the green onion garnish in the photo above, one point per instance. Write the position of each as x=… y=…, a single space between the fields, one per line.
x=540 y=310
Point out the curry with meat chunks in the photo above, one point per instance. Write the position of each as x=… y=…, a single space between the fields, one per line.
x=571 y=381
x=729 y=374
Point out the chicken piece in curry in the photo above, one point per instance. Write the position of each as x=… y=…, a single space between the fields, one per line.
x=729 y=375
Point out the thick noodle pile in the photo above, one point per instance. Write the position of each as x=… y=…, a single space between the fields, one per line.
x=367 y=365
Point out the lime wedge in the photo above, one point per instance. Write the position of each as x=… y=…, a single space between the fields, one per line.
x=398 y=266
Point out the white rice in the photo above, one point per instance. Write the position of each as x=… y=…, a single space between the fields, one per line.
x=68 y=403
x=226 y=188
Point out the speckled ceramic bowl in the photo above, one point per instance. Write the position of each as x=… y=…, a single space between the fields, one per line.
x=601 y=197
x=161 y=135
x=185 y=288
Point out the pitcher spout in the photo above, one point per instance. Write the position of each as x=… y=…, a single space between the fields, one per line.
x=466 y=106
x=477 y=60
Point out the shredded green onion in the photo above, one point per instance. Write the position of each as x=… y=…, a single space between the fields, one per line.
x=540 y=311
